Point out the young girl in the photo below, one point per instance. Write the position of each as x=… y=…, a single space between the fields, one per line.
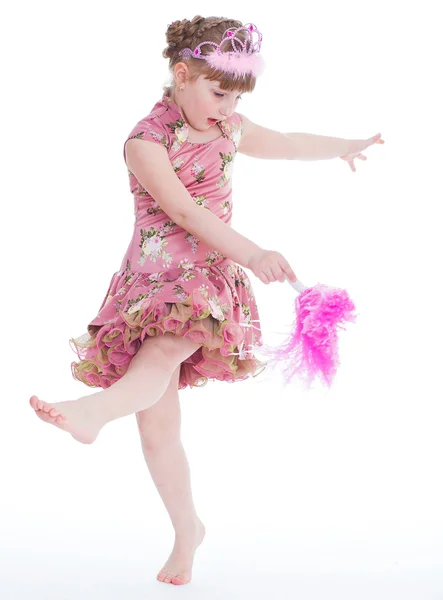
x=181 y=310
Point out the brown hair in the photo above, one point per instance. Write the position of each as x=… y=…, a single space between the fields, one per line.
x=189 y=34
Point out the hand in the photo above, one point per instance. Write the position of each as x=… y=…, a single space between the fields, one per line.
x=269 y=266
x=356 y=146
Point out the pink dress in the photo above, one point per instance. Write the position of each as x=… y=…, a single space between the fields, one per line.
x=169 y=281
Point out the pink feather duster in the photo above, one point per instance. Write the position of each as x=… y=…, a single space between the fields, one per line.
x=311 y=348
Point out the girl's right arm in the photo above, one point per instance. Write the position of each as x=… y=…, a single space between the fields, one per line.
x=151 y=166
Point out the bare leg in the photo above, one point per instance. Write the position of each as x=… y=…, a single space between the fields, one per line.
x=159 y=428
x=143 y=384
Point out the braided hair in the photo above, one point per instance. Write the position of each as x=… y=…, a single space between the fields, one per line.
x=189 y=34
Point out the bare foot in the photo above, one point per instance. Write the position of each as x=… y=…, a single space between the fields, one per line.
x=77 y=417
x=178 y=567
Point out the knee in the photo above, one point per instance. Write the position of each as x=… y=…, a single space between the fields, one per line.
x=159 y=425
x=151 y=355
x=163 y=351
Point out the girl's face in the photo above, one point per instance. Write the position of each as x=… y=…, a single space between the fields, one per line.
x=203 y=100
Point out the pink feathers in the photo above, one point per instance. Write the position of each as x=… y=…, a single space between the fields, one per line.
x=312 y=345
x=237 y=63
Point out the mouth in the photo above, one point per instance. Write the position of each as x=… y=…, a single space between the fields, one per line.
x=212 y=121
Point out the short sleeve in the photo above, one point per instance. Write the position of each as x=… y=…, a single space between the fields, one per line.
x=233 y=128
x=151 y=129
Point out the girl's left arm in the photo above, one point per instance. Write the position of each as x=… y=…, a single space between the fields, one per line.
x=260 y=142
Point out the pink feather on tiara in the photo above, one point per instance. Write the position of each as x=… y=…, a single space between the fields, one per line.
x=238 y=63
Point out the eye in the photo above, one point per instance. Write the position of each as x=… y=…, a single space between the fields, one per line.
x=221 y=96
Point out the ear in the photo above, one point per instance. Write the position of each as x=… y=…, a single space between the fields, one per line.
x=181 y=73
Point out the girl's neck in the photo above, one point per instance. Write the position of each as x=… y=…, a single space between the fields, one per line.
x=171 y=94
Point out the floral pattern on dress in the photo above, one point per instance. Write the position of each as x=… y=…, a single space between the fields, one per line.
x=154 y=209
x=226 y=206
x=180 y=131
x=234 y=130
x=191 y=239
x=198 y=170
x=201 y=201
x=160 y=137
x=226 y=168
x=177 y=164
x=152 y=244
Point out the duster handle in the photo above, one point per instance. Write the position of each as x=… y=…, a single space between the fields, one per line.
x=298 y=286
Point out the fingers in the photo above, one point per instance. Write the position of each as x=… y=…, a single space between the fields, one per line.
x=274 y=267
x=272 y=274
x=287 y=270
x=278 y=272
x=264 y=278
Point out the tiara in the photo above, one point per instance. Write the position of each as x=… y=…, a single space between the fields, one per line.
x=240 y=60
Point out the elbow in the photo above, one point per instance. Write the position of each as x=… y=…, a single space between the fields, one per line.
x=179 y=220
x=184 y=218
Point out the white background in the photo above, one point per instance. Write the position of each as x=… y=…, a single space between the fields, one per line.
x=313 y=495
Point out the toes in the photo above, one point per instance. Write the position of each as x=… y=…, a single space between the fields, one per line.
x=51 y=411
x=57 y=415
x=46 y=412
x=33 y=401
x=167 y=577
x=44 y=416
x=38 y=404
x=180 y=579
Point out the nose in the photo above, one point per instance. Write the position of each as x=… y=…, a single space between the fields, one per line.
x=228 y=109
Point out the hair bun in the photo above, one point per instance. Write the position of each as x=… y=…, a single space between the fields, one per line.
x=176 y=29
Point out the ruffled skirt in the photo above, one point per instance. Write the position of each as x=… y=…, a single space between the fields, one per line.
x=215 y=306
